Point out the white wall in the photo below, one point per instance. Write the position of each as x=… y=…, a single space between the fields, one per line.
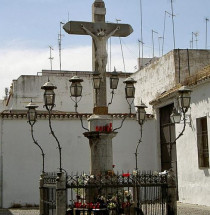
x=155 y=79
x=27 y=87
x=159 y=77
x=23 y=161
x=194 y=182
x=22 y=158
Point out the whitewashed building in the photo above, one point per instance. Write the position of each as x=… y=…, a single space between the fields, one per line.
x=21 y=161
x=157 y=85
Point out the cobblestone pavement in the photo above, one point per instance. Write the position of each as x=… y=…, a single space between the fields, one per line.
x=183 y=209
x=19 y=212
x=187 y=209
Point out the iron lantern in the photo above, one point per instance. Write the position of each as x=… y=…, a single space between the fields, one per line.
x=76 y=87
x=114 y=79
x=49 y=95
x=96 y=80
x=175 y=116
x=184 y=98
x=129 y=87
x=31 y=113
x=141 y=113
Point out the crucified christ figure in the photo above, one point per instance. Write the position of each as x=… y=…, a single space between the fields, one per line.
x=100 y=40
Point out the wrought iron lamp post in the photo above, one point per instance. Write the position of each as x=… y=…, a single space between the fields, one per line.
x=141 y=116
x=32 y=117
x=184 y=98
x=49 y=104
x=75 y=93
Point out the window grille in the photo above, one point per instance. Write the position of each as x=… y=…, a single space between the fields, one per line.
x=202 y=142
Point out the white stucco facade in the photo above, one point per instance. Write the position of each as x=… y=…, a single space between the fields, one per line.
x=154 y=84
x=194 y=182
x=22 y=161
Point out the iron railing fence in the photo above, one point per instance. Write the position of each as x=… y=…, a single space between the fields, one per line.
x=125 y=193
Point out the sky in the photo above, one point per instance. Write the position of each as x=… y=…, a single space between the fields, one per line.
x=29 y=27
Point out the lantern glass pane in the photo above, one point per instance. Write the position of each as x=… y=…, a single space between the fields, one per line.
x=141 y=115
x=96 y=82
x=114 y=82
x=76 y=89
x=32 y=115
x=130 y=91
x=184 y=101
x=175 y=117
x=49 y=99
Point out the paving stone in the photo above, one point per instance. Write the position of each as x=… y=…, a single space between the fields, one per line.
x=183 y=209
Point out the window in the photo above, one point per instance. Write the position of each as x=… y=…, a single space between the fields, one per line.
x=202 y=141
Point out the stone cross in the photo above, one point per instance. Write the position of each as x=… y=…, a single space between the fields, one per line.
x=100 y=31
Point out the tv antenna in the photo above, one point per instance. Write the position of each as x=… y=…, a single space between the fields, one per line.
x=153 y=43
x=172 y=17
x=51 y=58
x=141 y=41
x=159 y=39
x=207 y=20
x=196 y=34
x=59 y=42
x=164 y=28
x=119 y=20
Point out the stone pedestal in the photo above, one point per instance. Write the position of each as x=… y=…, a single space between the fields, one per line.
x=61 y=194
x=100 y=140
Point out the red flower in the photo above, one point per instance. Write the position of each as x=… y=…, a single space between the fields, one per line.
x=126 y=174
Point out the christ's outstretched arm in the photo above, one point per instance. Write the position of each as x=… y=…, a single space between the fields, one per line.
x=88 y=31
x=113 y=32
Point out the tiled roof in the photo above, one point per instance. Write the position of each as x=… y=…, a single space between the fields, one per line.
x=14 y=114
x=192 y=80
x=166 y=94
x=198 y=77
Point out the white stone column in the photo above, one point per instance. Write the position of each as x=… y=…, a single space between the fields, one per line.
x=100 y=140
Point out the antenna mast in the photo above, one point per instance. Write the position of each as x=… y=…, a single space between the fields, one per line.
x=141 y=41
x=192 y=39
x=59 y=42
x=118 y=20
x=153 y=44
x=196 y=39
x=172 y=17
x=51 y=58
x=207 y=20
x=164 y=28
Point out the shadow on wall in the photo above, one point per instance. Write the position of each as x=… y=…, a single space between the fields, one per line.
x=206 y=172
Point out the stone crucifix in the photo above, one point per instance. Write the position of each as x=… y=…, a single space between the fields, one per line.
x=100 y=31
x=100 y=40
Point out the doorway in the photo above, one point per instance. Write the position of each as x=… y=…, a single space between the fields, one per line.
x=167 y=144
